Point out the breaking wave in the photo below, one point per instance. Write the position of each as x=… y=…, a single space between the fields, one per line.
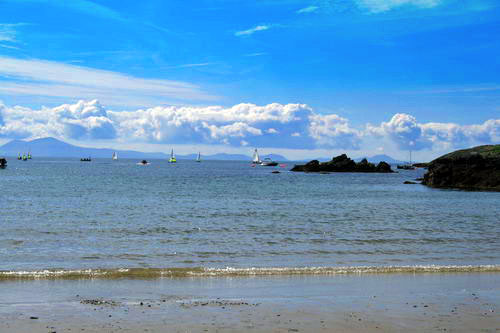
x=156 y=273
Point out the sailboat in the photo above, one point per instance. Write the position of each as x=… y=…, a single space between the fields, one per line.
x=256 y=158
x=172 y=158
x=19 y=156
x=115 y=156
x=29 y=155
x=198 y=158
x=408 y=166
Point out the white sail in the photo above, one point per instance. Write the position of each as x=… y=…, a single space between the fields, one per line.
x=115 y=156
x=198 y=158
x=256 y=158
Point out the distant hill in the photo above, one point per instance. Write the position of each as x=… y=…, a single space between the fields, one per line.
x=51 y=147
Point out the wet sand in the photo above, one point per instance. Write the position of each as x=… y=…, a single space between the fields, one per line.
x=466 y=302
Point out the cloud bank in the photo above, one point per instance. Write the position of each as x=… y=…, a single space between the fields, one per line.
x=273 y=125
x=289 y=126
x=404 y=130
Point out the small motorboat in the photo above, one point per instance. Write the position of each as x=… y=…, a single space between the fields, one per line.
x=86 y=159
x=268 y=162
x=143 y=162
x=3 y=162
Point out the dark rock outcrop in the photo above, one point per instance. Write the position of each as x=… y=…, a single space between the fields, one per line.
x=342 y=163
x=477 y=168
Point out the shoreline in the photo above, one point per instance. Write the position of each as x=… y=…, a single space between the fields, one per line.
x=458 y=302
x=189 y=272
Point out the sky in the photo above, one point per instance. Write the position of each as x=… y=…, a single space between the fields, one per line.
x=301 y=78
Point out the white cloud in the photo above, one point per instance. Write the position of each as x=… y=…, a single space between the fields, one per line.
x=57 y=80
x=273 y=125
x=252 y=30
x=272 y=131
x=310 y=9
x=378 y=6
x=408 y=134
x=83 y=120
x=332 y=130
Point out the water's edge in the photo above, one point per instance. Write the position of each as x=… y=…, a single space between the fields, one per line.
x=179 y=272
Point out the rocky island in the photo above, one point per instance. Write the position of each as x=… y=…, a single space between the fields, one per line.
x=342 y=163
x=477 y=168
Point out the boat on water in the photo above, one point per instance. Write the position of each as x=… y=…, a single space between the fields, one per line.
x=3 y=162
x=268 y=162
x=265 y=162
x=198 y=158
x=143 y=162
x=86 y=159
x=19 y=157
x=25 y=157
x=172 y=158
x=29 y=156
x=115 y=156
x=406 y=166
x=256 y=157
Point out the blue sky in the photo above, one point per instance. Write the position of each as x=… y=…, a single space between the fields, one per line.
x=369 y=76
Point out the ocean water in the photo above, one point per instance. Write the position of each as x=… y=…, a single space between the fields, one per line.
x=72 y=218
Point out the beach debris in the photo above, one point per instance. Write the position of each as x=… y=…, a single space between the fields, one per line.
x=99 y=301
x=221 y=303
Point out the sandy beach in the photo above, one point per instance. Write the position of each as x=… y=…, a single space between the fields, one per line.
x=467 y=302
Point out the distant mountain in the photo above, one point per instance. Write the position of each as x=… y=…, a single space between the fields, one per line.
x=380 y=158
x=50 y=147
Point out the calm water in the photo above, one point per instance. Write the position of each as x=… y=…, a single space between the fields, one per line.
x=62 y=213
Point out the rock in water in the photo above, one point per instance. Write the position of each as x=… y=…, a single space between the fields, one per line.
x=312 y=166
x=342 y=163
x=477 y=168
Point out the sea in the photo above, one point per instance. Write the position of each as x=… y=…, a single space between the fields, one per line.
x=62 y=218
